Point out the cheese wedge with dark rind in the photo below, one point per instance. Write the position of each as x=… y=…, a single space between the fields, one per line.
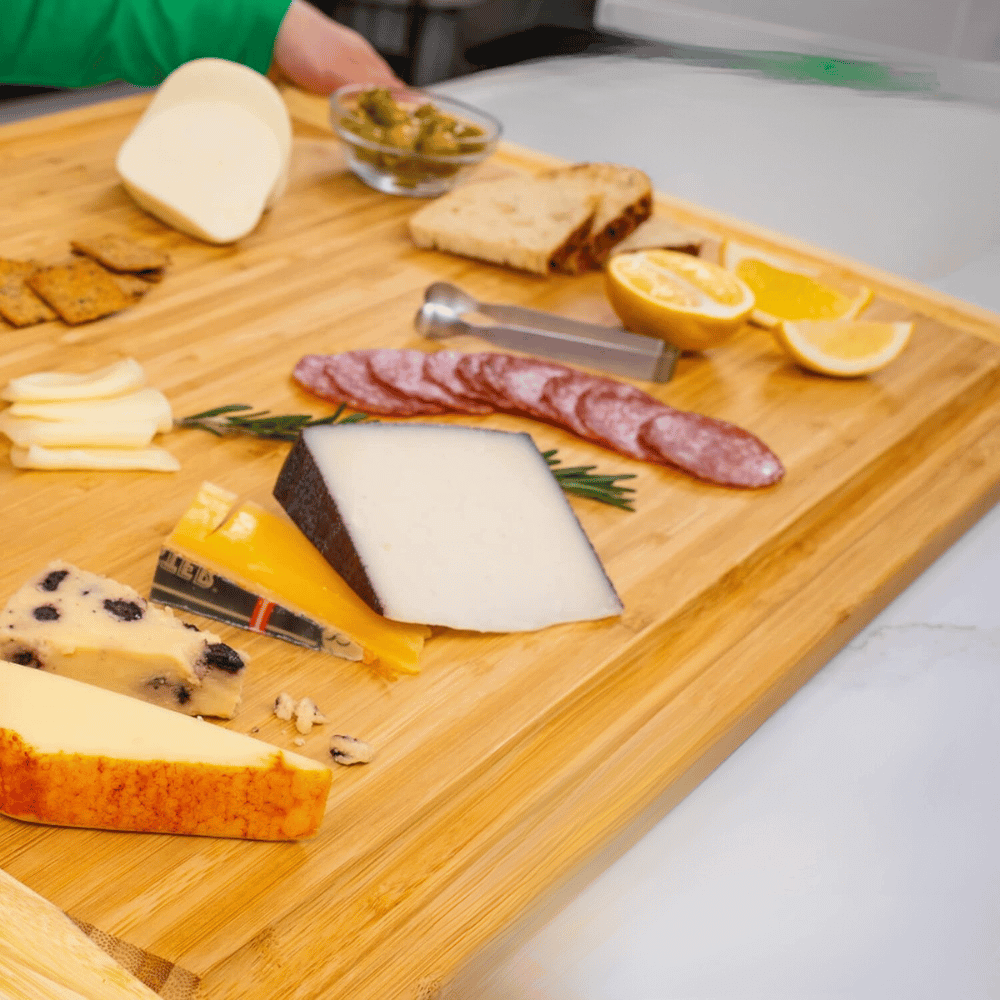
x=72 y=754
x=239 y=563
x=456 y=526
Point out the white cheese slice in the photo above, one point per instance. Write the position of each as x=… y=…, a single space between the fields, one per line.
x=445 y=525
x=38 y=456
x=114 y=380
x=207 y=168
x=68 y=621
x=47 y=957
x=76 y=755
x=24 y=432
x=144 y=404
x=221 y=80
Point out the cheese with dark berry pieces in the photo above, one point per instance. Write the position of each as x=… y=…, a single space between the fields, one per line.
x=75 y=623
x=72 y=754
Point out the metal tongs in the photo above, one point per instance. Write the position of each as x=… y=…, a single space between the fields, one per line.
x=608 y=348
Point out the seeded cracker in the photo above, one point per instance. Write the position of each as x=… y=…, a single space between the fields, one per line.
x=117 y=253
x=19 y=305
x=132 y=285
x=79 y=292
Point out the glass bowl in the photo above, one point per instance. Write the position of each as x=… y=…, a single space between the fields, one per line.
x=404 y=148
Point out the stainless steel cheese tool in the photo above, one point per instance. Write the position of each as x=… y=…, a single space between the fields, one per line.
x=607 y=348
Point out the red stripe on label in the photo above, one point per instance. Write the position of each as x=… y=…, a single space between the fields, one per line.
x=261 y=615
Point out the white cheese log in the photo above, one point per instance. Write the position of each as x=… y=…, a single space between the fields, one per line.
x=37 y=456
x=45 y=956
x=221 y=80
x=145 y=404
x=76 y=755
x=24 y=432
x=207 y=168
x=114 y=380
x=71 y=622
x=445 y=525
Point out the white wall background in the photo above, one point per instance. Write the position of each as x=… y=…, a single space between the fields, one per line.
x=965 y=29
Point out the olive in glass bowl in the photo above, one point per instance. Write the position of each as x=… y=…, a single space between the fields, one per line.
x=410 y=142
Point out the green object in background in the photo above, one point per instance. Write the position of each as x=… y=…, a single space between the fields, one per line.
x=858 y=74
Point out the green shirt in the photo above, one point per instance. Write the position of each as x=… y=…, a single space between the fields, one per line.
x=80 y=43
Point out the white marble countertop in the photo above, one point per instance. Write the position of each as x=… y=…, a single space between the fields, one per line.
x=849 y=848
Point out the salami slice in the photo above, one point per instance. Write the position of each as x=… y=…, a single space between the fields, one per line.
x=523 y=382
x=402 y=373
x=345 y=378
x=310 y=372
x=440 y=368
x=559 y=398
x=469 y=371
x=711 y=449
x=614 y=416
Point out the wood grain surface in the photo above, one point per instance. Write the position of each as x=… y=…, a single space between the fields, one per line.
x=511 y=762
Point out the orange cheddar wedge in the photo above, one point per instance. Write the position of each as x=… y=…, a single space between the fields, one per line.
x=239 y=563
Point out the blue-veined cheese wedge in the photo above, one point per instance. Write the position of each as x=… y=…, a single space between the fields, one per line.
x=82 y=625
x=72 y=754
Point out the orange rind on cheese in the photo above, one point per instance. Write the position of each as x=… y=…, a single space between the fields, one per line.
x=72 y=754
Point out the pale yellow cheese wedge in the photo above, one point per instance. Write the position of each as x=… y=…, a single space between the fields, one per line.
x=45 y=956
x=153 y=459
x=85 y=433
x=221 y=80
x=72 y=754
x=206 y=168
x=144 y=404
x=114 y=380
x=266 y=554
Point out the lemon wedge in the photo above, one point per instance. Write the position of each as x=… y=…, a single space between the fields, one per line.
x=785 y=292
x=689 y=302
x=845 y=348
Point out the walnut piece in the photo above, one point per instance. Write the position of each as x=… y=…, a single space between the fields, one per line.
x=348 y=750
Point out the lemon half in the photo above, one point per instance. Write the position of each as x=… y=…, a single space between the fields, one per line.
x=691 y=303
x=845 y=348
x=786 y=292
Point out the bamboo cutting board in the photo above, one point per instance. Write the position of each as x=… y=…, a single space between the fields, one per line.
x=510 y=762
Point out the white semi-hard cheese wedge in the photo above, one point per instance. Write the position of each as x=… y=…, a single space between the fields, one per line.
x=38 y=456
x=76 y=755
x=207 y=168
x=79 y=624
x=144 y=404
x=221 y=80
x=445 y=525
x=114 y=380
x=47 y=957
x=88 y=433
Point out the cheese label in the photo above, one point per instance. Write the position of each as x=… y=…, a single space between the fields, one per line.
x=182 y=583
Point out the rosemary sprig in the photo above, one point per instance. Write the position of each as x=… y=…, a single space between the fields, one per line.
x=580 y=481
x=233 y=419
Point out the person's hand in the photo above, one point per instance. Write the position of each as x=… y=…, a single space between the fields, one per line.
x=319 y=54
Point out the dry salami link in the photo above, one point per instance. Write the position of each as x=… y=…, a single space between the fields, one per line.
x=609 y=413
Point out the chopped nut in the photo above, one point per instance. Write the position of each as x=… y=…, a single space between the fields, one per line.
x=284 y=706
x=307 y=714
x=350 y=750
x=299 y=741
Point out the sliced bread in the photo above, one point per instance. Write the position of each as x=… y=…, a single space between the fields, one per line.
x=626 y=200
x=530 y=223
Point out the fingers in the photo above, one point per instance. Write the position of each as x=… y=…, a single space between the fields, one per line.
x=320 y=55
